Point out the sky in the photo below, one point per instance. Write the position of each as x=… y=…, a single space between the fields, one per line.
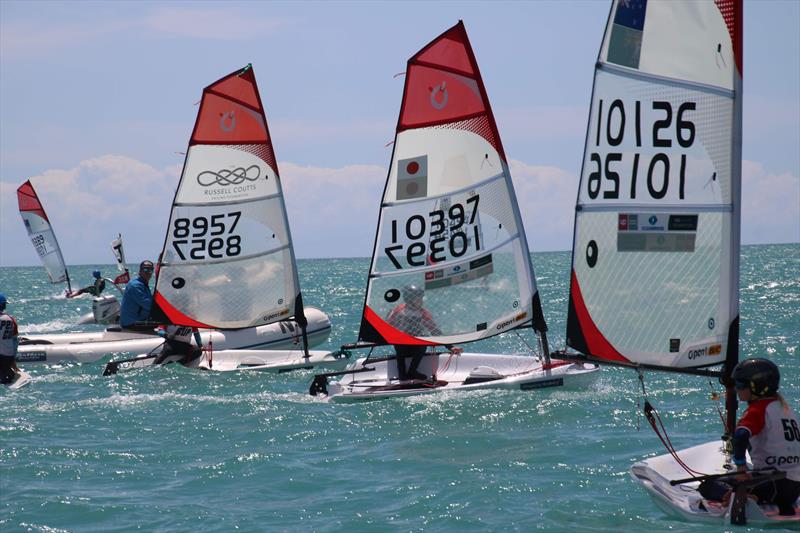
x=98 y=99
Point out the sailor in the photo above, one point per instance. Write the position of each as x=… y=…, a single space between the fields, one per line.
x=412 y=318
x=178 y=341
x=9 y=341
x=94 y=289
x=770 y=430
x=137 y=300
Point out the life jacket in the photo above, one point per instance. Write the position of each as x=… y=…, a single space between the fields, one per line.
x=774 y=436
x=8 y=335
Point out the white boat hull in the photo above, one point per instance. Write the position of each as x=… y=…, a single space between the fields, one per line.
x=457 y=372
x=655 y=474
x=91 y=346
x=274 y=361
x=22 y=379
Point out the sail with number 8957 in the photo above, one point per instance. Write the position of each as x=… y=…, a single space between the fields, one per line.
x=228 y=260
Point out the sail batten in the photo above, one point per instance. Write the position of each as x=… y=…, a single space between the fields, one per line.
x=228 y=260
x=451 y=262
x=654 y=276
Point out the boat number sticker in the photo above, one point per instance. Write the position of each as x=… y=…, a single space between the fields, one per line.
x=623 y=172
x=444 y=231
x=591 y=254
x=392 y=295
x=207 y=238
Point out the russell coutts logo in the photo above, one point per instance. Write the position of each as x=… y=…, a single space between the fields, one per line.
x=227 y=181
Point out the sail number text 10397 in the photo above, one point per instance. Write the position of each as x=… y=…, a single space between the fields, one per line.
x=670 y=127
x=445 y=233
x=207 y=238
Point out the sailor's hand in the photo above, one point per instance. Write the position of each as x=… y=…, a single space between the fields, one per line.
x=742 y=474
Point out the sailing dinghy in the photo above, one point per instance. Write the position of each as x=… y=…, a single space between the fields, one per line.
x=450 y=237
x=228 y=262
x=41 y=233
x=655 y=268
x=105 y=309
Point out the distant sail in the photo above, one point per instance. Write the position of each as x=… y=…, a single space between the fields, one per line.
x=41 y=233
x=228 y=260
x=449 y=226
x=655 y=270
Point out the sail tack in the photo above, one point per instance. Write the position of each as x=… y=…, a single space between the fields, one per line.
x=228 y=260
x=41 y=233
x=451 y=261
x=656 y=244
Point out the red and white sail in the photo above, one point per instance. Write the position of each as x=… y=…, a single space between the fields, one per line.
x=655 y=268
x=41 y=233
x=228 y=260
x=449 y=225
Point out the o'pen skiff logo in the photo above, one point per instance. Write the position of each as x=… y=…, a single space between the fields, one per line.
x=227 y=121
x=226 y=177
x=435 y=101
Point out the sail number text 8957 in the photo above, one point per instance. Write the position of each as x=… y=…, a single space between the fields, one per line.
x=610 y=131
x=205 y=238
x=447 y=234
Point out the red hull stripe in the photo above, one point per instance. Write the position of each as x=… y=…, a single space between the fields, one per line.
x=391 y=334
x=175 y=316
x=597 y=343
x=29 y=201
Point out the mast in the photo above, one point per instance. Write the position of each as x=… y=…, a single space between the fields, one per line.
x=732 y=354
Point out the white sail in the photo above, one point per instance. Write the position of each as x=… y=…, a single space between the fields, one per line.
x=228 y=260
x=656 y=242
x=119 y=252
x=41 y=233
x=449 y=225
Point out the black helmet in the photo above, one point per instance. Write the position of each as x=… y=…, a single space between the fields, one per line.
x=761 y=376
x=412 y=291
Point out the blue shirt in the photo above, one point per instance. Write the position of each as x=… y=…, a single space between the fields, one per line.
x=136 y=303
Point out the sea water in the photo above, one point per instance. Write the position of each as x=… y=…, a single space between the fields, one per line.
x=174 y=449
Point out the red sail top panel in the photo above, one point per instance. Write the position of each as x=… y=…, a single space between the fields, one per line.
x=29 y=201
x=732 y=13
x=444 y=87
x=231 y=112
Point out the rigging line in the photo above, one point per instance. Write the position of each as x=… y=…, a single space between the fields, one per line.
x=653 y=417
x=715 y=399
x=525 y=342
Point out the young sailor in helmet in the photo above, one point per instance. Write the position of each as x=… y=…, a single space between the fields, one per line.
x=412 y=318
x=770 y=430
x=9 y=341
x=94 y=289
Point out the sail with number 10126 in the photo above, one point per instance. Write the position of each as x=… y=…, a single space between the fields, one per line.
x=655 y=266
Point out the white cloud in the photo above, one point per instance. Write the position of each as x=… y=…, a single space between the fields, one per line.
x=333 y=212
x=89 y=204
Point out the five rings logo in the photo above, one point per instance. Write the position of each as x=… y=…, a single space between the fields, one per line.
x=225 y=177
x=227 y=121
x=435 y=96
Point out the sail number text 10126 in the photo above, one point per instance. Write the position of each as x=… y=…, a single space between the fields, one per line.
x=657 y=171
x=444 y=234
x=207 y=238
